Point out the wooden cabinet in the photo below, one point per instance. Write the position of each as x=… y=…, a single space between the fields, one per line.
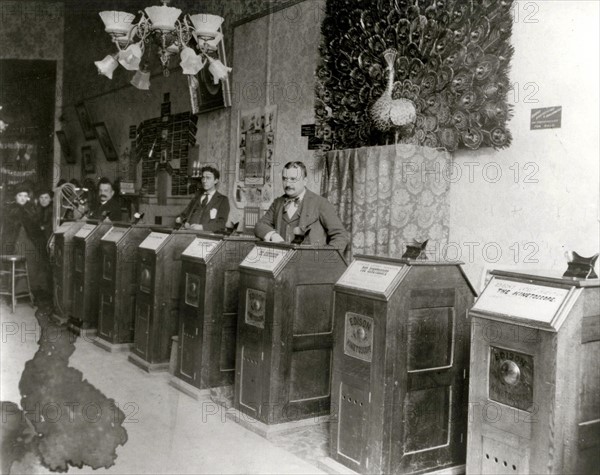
x=158 y=270
x=284 y=337
x=118 y=250
x=86 y=270
x=400 y=366
x=534 y=397
x=209 y=289
x=63 y=266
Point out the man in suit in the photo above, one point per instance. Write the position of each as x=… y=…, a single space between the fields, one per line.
x=300 y=211
x=110 y=204
x=208 y=209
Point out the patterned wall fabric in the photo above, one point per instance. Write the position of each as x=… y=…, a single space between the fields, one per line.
x=389 y=196
x=43 y=24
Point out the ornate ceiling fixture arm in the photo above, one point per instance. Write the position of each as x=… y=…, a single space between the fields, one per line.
x=162 y=25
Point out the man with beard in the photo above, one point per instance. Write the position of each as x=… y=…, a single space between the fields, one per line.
x=110 y=205
x=300 y=211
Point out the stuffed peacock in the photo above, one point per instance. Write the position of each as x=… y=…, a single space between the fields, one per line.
x=428 y=72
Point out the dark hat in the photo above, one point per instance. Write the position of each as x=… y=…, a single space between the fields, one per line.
x=21 y=188
x=45 y=191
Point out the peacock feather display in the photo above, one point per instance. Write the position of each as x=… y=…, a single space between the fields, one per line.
x=427 y=72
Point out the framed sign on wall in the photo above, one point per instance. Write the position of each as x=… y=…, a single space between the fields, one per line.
x=86 y=121
x=105 y=142
x=65 y=147
x=88 y=163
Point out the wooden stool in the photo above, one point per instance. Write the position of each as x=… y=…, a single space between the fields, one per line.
x=15 y=273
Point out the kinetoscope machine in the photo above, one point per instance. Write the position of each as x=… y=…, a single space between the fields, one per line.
x=208 y=304
x=400 y=365
x=118 y=251
x=535 y=386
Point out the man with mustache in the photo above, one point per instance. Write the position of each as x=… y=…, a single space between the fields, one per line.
x=110 y=205
x=300 y=211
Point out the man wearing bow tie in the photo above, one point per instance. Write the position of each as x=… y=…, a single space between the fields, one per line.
x=301 y=211
x=208 y=209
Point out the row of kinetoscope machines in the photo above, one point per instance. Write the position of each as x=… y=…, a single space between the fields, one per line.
x=413 y=376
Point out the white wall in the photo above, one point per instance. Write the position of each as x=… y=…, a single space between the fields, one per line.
x=274 y=62
x=552 y=204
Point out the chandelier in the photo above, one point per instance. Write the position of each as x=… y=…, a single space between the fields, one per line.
x=193 y=37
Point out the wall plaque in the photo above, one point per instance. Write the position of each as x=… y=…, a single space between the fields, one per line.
x=546 y=118
x=520 y=299
x=308 y=130
x=358 y=336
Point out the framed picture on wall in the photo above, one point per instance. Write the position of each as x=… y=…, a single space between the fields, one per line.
x=88 y=163
x=86 y=121
x=65 y=147
x=105 y=142
x=213 y=96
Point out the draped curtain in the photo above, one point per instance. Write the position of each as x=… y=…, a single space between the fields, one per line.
x=390 y=196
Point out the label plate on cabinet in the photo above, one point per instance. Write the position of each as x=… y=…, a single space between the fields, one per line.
x=511 y=378
x=114 y=234
x=521 y=299
x=154 y=241
x=358 y=336
x=265 y=258
x=367 y=275
x=201 y=248
x=85 y=230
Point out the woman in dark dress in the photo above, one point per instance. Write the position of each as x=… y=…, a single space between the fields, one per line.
x=44 y=207
x=21 y=235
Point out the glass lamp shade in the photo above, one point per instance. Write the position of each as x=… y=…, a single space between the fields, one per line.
x=218 y=70
x=163 y=17
x=117 y=23
x=124 y=40
x=211 y=44
x=130 y=57
x=206 y=25
x=141 y=80
x=107 y=66
x=191 y=63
